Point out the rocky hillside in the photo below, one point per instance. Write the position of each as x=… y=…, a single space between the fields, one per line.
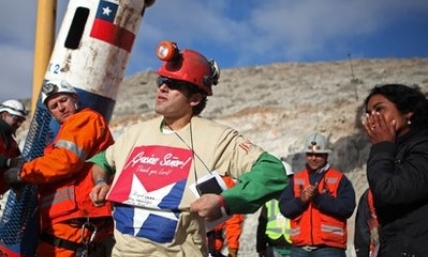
x=277 y=105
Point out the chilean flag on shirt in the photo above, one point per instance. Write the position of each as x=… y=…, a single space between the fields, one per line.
x=106 y=30
x=149 y=190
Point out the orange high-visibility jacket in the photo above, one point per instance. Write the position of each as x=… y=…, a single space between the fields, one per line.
x=65 y=177
x=232 y=227
x=314 y=227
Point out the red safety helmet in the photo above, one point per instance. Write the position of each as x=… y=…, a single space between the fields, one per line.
x=187 y=65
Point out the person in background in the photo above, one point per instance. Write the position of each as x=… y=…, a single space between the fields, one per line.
x=396 y=123
x=319 y=201
x=273 y=230
x=155 y=164
x=230 y=230
x=12 y=114
x=366 y=234
x=68 y=217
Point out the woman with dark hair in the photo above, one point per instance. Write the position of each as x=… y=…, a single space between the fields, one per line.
x=396 y=123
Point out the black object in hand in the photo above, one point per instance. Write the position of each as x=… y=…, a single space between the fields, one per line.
x=11 y=176
x=210 y=186
x=16 y=162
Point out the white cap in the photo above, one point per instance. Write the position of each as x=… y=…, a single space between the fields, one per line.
x=53 y=87
x=316 y=143
x=14 y=107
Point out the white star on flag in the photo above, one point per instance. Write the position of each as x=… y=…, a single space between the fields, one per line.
x=140 y=214
x=106 y=11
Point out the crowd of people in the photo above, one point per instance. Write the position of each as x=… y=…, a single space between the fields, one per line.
x=153 y=190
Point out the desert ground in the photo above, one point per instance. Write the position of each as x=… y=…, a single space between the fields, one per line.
x=276 y=106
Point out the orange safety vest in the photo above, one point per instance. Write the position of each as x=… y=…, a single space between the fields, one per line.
x=313 y=227
x=373 y=226
x=232 y=227
x=63 y=176
x=10 y=152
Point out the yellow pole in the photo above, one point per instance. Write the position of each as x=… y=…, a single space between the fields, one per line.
x=44 y=43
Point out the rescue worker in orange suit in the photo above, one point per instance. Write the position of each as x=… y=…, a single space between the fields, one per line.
x=366 y=237
x=319 y=200
x=12 y=114
x=68 y=217
x=232 y=230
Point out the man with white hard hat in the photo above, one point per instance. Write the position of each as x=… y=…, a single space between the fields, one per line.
x=12 y=114
x=68 y=217
x=318 y=200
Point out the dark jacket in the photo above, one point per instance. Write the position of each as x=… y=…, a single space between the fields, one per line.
x=262 y=240
x=398 y=178
x=8 y=149
x=362 y=228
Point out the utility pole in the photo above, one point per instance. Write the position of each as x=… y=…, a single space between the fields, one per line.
x=44 y=43
x=353 y=80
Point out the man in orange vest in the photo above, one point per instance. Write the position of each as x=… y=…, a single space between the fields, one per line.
x=70 y=222
x=12 y=114
x=319 y=200
x=232 y=229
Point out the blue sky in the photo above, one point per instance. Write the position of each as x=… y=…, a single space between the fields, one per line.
x=239 y=33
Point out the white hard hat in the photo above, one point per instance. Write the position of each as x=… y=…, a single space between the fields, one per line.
x=316 y=143
x=52 y=87
x=14 y=107
x=287 y=167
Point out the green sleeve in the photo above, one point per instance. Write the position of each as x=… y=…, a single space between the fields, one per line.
x=266 y=180
x=101 y=160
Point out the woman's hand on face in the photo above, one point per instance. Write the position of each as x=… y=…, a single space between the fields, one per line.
x=377 y=129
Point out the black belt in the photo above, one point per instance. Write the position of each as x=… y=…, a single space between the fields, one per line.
x=60 y=242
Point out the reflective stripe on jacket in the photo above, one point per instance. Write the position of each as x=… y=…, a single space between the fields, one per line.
x=277 y=225
x=314 y=227
x=63 y=172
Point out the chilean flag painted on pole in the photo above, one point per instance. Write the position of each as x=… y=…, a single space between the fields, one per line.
x=106 y=30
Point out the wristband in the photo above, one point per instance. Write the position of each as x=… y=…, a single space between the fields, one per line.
x=223 y=205
x=221 y=201
x=100 y=181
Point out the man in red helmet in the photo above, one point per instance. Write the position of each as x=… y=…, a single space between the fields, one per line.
x=161 y=205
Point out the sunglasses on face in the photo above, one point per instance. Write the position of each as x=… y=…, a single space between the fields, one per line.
x=171 y=83
x=16 y=118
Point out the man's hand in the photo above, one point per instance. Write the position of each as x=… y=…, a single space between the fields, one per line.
x=98 y=194
x=16 y=162
x=11 y=176
x=308 y=194
x=233 y=252
x=208 y=206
